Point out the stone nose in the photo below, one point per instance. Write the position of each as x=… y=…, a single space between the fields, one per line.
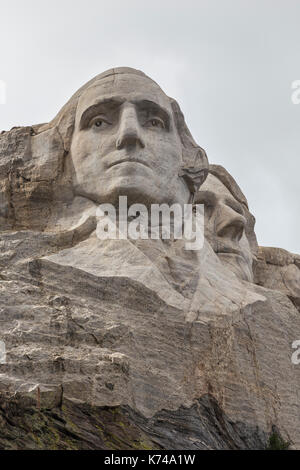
x=230 y=224
x=129 y=129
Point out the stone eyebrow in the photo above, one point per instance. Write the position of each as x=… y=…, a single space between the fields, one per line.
x=154 y=109
x=233 y=204
x=111 y=104
x=106 y=104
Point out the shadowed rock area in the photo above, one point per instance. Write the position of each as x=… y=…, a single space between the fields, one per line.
x=84 y=427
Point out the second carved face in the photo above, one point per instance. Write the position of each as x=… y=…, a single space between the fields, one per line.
x=225 y=225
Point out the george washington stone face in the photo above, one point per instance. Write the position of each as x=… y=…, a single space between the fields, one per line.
x=126 y=143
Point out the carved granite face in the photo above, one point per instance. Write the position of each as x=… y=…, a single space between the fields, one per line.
x=125 y=142
x=225 y=227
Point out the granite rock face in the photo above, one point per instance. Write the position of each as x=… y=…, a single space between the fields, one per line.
x=136 y=344
x=279 y=270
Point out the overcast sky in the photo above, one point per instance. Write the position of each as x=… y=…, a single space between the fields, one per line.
x=229 y=63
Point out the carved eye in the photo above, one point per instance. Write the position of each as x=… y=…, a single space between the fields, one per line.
x=99 y=122
x=155 y=122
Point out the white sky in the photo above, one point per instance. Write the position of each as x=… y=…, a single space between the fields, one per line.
x=229 y=63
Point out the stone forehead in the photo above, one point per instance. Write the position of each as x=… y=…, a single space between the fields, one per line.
x=124 y=84
x=212 y=183
x=119 y=71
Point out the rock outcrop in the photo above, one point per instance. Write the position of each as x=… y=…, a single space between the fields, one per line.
x=279 y=270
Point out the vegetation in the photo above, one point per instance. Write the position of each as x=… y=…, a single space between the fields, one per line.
x=276 y=442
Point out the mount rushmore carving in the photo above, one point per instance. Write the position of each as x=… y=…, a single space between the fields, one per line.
x=136 y=344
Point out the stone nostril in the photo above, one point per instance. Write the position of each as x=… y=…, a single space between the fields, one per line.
x=129 y=138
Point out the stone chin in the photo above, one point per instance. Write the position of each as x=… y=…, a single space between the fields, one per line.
x=137 y=183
